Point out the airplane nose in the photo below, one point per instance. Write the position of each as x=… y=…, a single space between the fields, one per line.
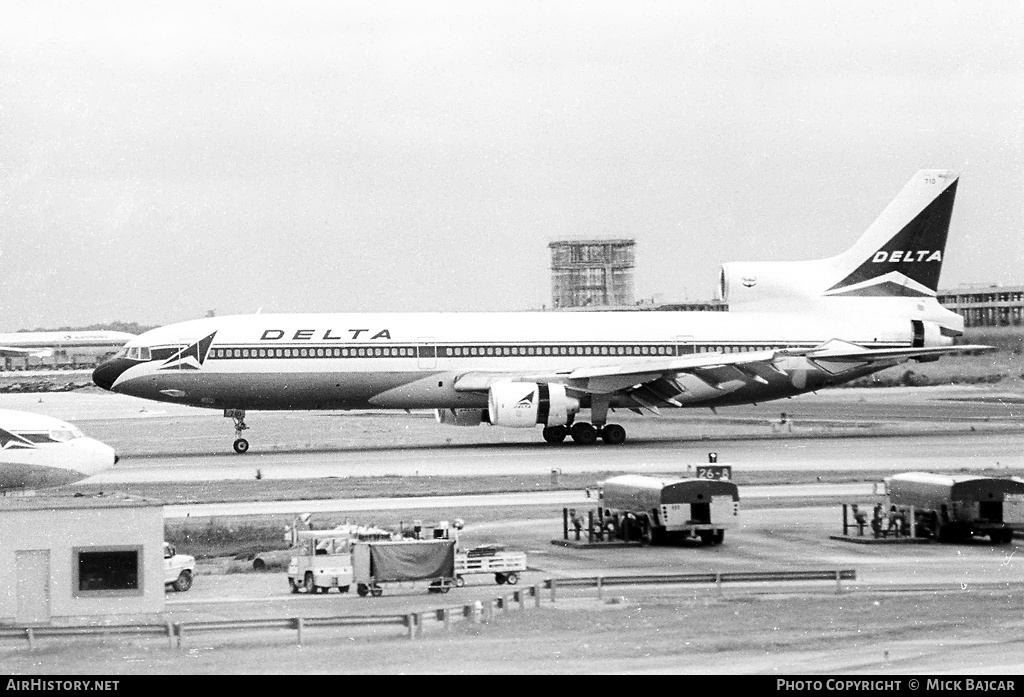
x=107 y=373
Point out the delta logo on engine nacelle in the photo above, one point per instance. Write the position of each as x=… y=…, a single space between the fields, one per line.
x=527 y=401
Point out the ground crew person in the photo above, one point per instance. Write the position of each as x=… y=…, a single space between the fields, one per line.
x=876 y=521
x=861 y=518
x=577 y=521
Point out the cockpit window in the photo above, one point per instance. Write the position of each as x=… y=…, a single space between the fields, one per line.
x=63 y=435
x=136 y=353
x=58 y=435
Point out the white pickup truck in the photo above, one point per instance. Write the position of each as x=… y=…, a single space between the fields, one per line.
x=178 y=569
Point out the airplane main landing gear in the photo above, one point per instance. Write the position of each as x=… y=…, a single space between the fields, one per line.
x=586 y=434
x=241 y=445
x=555 y=434
x=583 y=433
x=613 y=434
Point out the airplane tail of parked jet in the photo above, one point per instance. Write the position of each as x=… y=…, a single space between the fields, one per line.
x=899 y=256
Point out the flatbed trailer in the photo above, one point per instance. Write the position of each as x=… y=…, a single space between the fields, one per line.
x=506 y=566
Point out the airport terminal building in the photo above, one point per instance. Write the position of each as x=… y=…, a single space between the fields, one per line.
x=986 y=306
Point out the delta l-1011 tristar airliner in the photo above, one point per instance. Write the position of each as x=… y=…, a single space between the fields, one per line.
x=792 y=327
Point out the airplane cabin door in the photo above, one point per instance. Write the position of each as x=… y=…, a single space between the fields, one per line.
x=684 y=345
x=183 y=363
x=426 y=352
x=918 y=329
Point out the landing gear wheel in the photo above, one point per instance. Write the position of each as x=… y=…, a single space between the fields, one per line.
x=719 y=536
x=613 y=434
x=307 y=583
x=363 y=590
x=238 y=416
x=500 y=579
x=459 y=582
x=512 y=578
x=555 y=434
x=583 y=433
x=376 y=591
x=294 y=586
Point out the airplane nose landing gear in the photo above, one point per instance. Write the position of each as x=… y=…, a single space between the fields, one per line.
x=241 y=445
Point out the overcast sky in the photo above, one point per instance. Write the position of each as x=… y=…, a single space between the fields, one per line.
x=158 y=160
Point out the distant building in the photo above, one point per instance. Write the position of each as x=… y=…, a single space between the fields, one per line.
x=986 y=306
x=592 y=273
x=692 y=306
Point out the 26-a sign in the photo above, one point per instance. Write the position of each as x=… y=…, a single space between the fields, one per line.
x=723 y=472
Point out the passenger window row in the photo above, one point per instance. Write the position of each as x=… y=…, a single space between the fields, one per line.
x=479 y=351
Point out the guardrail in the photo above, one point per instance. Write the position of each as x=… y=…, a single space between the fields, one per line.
x=476 y=612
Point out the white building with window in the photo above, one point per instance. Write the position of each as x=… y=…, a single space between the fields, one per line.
x=80 y=560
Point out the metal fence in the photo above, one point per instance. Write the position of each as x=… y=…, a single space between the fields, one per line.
x=475 y=612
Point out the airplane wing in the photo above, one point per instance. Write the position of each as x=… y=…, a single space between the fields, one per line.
x=698 y=377
x=12 y=352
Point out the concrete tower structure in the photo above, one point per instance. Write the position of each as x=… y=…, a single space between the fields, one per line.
x=592 y=273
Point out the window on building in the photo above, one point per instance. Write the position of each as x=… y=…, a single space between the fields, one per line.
x=117 y=569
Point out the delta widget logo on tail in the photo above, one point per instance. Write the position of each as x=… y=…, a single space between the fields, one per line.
x=191 y=357
x=909 y=263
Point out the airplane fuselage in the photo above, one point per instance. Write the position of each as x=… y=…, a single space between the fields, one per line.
x=793 y=327
x=412 y=361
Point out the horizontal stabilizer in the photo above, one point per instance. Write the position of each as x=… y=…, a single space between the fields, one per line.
x=842 y=351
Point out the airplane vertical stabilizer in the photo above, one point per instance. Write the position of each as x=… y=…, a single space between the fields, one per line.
x=901 y=253
x=899 y=256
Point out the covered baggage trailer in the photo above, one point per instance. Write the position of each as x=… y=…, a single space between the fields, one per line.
x=659 y=509
x=374 y=563
x=950 y=507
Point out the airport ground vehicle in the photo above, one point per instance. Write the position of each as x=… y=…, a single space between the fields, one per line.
x=656 y=510
x=335 y=559
x=178 y=569
x=489 y=559
x=951 y=508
